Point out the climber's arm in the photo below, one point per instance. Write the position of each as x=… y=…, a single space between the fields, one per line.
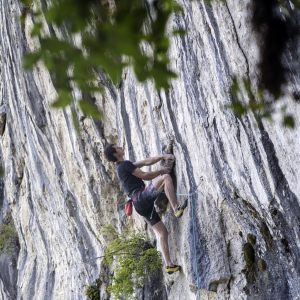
x=148 y=161
x=153 y=160
x=149 y=175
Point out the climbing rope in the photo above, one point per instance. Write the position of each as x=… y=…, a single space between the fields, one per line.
x=191 y=197
x=195 y=246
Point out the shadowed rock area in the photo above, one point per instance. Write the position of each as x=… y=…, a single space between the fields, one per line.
x=61 y=191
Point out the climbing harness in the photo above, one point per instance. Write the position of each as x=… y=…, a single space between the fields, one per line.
x=128 y=204
x=128 y=207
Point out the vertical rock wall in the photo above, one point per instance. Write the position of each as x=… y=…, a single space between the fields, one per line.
x=61 y=191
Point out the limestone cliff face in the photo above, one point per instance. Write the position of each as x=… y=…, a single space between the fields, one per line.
x=61 y=191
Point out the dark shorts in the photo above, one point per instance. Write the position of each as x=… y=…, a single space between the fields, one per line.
x=144 y=204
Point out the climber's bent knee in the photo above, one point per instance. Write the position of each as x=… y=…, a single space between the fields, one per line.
x=168 y=178
x=159 y=182
x=161 y=230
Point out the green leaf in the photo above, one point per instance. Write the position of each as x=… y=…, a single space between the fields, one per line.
x=289 y=121
x=54 y=45
x=36 y=29
x=161 y=75
x=31 y=59
x=64 y=99
x=235 y=86
x=75 y=121
x=90 y=109
x=27 y=2
x=179 y=32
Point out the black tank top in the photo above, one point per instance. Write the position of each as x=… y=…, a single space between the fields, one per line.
x=130 y=183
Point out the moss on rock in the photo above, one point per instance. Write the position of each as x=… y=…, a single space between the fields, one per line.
x=266 y=234
x=251 y=238
x=262 y=265
x=249 y=254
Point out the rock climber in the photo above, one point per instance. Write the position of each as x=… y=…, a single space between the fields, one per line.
x=131 y=178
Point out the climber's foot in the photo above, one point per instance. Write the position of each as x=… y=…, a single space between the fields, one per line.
x=171 y=270
x=181 y=208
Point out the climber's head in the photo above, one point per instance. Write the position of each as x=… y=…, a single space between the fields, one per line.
x=114 y=153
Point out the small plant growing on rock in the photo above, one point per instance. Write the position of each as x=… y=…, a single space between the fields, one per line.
x=136 y=259
x=8 y=238
x=92 y=293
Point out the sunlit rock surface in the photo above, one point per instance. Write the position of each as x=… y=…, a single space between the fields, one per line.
x=61 y=191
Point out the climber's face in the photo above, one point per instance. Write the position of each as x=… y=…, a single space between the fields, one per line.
x=120 y=152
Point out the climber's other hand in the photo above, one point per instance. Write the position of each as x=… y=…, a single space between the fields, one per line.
x=165 y=170
x=169 y=157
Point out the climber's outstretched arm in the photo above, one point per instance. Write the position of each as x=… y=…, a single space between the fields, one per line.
x=148 y=161
x=153 y=160
x=149 y=175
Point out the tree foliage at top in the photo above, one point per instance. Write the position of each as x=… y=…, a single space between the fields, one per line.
x=276 y=23
x=113 y=34
x=110 y=35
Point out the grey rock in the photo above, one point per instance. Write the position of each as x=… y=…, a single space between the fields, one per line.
x=62 y=191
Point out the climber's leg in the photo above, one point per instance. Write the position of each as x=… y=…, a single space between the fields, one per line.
x=165 y=182
x=162 y=232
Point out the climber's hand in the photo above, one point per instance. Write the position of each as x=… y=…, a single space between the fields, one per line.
x=165 y=170
x=169 y=157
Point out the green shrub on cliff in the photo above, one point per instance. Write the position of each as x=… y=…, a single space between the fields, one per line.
x=92 y=293
x=135 y=260
x=8 y=238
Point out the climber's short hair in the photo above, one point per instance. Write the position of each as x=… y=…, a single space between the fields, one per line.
x=109 y=152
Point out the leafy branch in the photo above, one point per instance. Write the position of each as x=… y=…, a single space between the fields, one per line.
x=244 y=99
x=135 y=258
x=80 y=39
x=83 y=41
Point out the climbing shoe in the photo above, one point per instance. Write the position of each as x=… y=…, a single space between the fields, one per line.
x=181 y=208
x=171 y=270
